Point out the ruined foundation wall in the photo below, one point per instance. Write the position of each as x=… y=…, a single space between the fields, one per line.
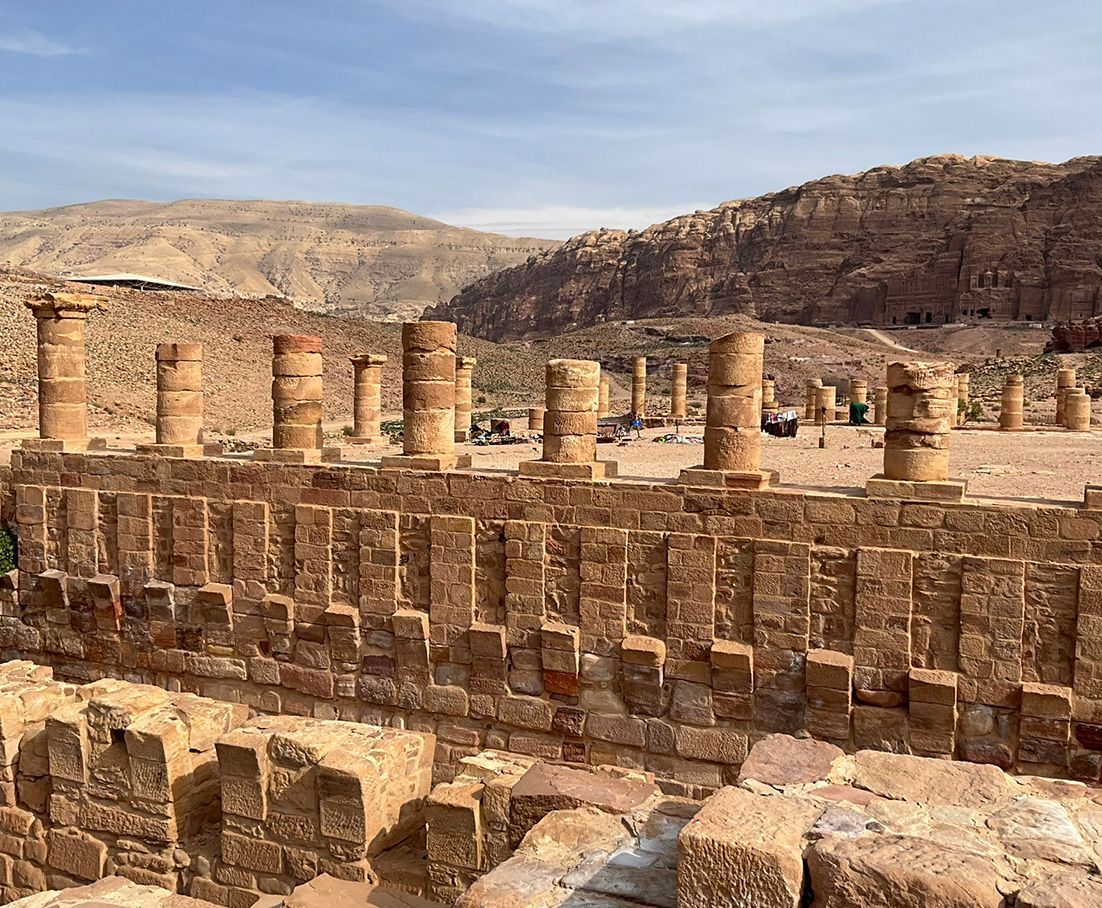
x=653 y=626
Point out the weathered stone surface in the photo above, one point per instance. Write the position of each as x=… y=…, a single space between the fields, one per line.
x=1042 y=830
x=942 y=235
x=1068 y=890
x=892 y=871
x=784 y=760
x=111 y=891
x=926 y=781
x=744 y=849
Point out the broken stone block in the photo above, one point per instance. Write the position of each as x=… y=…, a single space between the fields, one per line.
x=744 y=849
x=781 y=760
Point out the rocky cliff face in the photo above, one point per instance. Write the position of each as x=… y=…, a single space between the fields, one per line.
x=938 y=239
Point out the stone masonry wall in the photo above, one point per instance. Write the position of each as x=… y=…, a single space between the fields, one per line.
x=651 y=626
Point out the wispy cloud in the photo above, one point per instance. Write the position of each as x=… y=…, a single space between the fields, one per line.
x=557 y=222
x=36 y=45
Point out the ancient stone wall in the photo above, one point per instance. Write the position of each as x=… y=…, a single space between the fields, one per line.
x=653 y=626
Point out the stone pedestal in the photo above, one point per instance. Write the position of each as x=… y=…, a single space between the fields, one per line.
x=639 y=386
x=1065 y=382
x=297 y=402
x=880 y=406
x=1077 y=410
x=916 y=437
x=732 y=433
x=602 y=400
x=679 y=389
x=1011 y=413
x=826 y=404
x=464 y=370
x=367 y=399
x=810 y=398
x=179 y=403
x=428 y=399
x=62 y=395
x=570 y=424
x=535 y=418
x=859 y=391
x=768 y=396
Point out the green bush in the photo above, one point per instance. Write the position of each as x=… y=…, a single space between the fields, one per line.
x=9 y=550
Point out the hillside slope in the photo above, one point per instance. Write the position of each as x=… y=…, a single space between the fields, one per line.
x=938 y=239
x=371 y=261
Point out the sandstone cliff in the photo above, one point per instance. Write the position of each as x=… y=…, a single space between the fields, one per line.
x=365 y=260
x=938 y=239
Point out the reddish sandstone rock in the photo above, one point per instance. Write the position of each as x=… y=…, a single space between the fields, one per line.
x=941 y=235
x=784 y=760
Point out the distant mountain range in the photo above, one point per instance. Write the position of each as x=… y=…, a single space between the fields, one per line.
x=372 y=261
x=939 y=239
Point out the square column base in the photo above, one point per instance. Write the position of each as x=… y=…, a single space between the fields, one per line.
x=434 y=463
x=545 y=469
x=1092 y=498
x=203 y=450
x=296 y=455
x=948 y=490
x=367 y=440
x=64 y=445
x=729 y=479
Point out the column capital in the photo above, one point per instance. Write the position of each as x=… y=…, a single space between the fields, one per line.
x=465 y=362
x=65 y=305
x=368 y=359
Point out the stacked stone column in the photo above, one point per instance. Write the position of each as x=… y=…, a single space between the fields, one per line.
x=954 y=396
x=602 y=399
x=811 y=412
x=428 y=399
x=297 y=402
x=464 y=370
x=768 y=396
x=62 y=394
x=639 y=387
x=570 y=424
x=1077 y=410
x=179 y=430
x=1065 y=383
x=964 y=381
x=826 y=404
x=679 y=389
x=367 y=399
x=859 y=391
x=916 y=437
x=732 y=433
x=1011 y=412
x=880 y=406
x=535 y=418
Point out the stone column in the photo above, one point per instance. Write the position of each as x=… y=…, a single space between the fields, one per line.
x=1065 y=382
x=811 y=412
x=367 y=399
x=1011 y=417
x=602 y=399
x=570 y=424
x=880 y=406
x=768 y=395
x=826 y=404
x=954 y=396
x=179 y=401
x=639 y=387
x=297 y=402
x=62 y=395
x=858 y=391
x=679 y=388
x=916 y=438
x=464 y=369
x=1077 y=410
x=535 y=418
x=964 y=380
x=428 y=399
x=732 y=433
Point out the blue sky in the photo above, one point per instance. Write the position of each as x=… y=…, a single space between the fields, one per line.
x=538 y=117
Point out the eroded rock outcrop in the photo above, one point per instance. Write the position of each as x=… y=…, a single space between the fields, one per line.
x=941 y=237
